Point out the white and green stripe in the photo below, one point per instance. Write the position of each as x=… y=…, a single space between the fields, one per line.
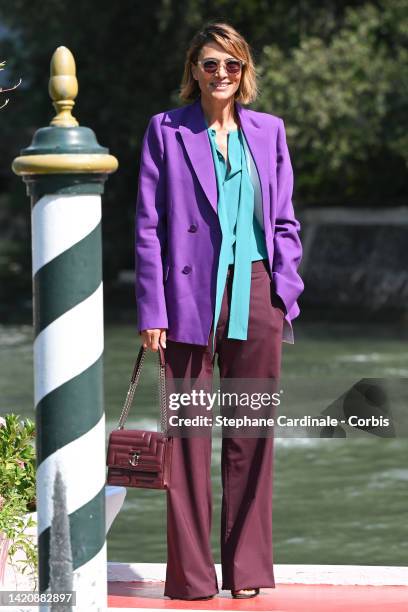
x=68 y=353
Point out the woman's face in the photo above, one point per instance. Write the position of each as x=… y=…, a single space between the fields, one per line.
x=210 y=84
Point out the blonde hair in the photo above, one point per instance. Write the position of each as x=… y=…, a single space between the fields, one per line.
x=232 y=42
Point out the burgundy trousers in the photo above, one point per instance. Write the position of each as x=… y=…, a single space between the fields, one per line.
x=246 y=463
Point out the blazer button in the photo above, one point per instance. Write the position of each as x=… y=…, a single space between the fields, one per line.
x=192 y=228
x=186 y=270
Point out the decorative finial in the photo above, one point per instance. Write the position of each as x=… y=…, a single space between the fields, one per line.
x=63 y=87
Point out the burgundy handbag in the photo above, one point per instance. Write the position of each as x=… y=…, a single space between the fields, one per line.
x=135 y=457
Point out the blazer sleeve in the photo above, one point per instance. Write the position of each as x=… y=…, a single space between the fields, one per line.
x=287 y=245
x=151 y=231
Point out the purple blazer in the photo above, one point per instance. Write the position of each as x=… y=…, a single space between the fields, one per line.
x=177 y=231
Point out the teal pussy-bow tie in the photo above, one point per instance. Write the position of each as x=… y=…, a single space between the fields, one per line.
x=236 y=213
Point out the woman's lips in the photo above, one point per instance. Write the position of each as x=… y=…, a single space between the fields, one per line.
x=220 y=85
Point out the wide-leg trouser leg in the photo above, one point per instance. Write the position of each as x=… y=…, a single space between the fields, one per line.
x=246 y=518
x=190 y=571
x=247 y=463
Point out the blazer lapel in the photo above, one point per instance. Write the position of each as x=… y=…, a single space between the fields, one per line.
x=195 y=139
x=258 y=140
x=198 y=148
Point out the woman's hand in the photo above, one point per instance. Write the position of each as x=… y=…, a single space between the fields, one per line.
x=152 y=337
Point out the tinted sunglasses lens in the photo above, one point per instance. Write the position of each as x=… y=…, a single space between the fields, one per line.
x=233 y=66
x=210 y=66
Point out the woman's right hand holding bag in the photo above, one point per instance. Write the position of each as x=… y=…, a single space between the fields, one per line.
x=152 y=337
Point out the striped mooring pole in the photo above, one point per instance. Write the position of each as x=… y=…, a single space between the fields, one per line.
x=65 y=169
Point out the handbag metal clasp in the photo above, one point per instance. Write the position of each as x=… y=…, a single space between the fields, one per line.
x=134 y=460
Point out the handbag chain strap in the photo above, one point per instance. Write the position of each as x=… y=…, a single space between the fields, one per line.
x=134 y=382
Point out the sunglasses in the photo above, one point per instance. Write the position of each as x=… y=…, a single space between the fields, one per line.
x=232 y=66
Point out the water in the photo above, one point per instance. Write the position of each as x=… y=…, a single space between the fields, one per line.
x=336 y=501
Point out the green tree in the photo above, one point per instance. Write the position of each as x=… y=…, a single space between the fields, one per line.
x=342 y=102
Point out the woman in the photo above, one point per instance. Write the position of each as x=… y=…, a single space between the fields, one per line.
x=217 y=250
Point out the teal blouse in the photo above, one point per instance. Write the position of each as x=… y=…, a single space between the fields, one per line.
x=243 y=239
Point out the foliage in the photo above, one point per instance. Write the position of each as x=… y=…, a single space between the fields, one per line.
x=342 y=101
x=18 y=486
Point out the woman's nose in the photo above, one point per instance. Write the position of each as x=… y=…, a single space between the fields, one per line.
x=221 y=70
